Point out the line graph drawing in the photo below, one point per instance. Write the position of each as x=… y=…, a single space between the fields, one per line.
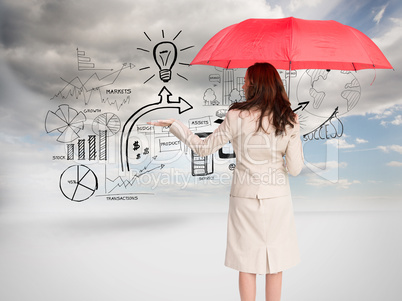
x=165 y=54
x=78 y=183
x=65 y=120
x=117 y=102
x=86 y=90
x=119 y=182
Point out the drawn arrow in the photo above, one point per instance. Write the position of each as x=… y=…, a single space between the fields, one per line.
x=164 y=103
x=302 y=106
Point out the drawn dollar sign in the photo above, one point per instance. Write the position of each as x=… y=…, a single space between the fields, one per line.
x=136 y=145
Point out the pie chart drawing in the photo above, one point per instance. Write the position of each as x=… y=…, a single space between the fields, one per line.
x=78 y=183
x=67 y=121
x=108 y=122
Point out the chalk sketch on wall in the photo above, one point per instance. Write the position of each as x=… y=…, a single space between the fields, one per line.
x=331 y=128
x=286 y=76
x=164 y=103
x=210 y=98
x=326 y=94
x=67 y=121
x=96 y=88
x=120 y=182
x=127 y=153
x=327 y=90
x=230 y=84
x=165 y=55
x=78 y=183
x=227 y=152
x=108 y=122
x=84 y=62
x=202 y=166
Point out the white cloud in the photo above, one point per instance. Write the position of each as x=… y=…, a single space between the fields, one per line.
x=383 y=123
x=340 y=184
x=340 y=143
x=397 y=120
x=344 y=144
x=394 y=164
x=387 y=113
x=391 y=36
x=359 y=140
x=330 y=164
x=388 y=148
x=327 y=171
x=297 y=4
x=380 y=14
x=375 y=182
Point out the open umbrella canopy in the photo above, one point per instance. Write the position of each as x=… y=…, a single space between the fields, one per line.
x=291 y=44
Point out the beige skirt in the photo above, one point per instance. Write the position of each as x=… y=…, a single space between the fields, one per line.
x=261 y=235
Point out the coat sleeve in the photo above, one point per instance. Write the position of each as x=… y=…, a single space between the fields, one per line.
x=294 y=152
x=203 y=147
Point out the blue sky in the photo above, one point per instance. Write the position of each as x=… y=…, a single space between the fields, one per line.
x=38 y=47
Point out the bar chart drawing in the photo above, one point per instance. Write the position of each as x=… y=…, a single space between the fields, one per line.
x=92 y=147
x=70 y=151
x=85 y=62
x=103 y=145
x=81 y=149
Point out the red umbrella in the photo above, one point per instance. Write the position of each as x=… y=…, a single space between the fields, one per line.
x=292 y=43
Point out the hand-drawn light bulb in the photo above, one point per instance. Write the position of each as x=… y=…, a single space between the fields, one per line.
x=165 y=55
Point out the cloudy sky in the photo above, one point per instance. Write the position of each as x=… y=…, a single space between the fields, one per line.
x=47 y=47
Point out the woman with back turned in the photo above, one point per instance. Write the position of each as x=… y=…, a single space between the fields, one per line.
x=265 y=134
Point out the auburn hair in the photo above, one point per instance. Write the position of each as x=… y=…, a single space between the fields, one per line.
x=266 y=94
